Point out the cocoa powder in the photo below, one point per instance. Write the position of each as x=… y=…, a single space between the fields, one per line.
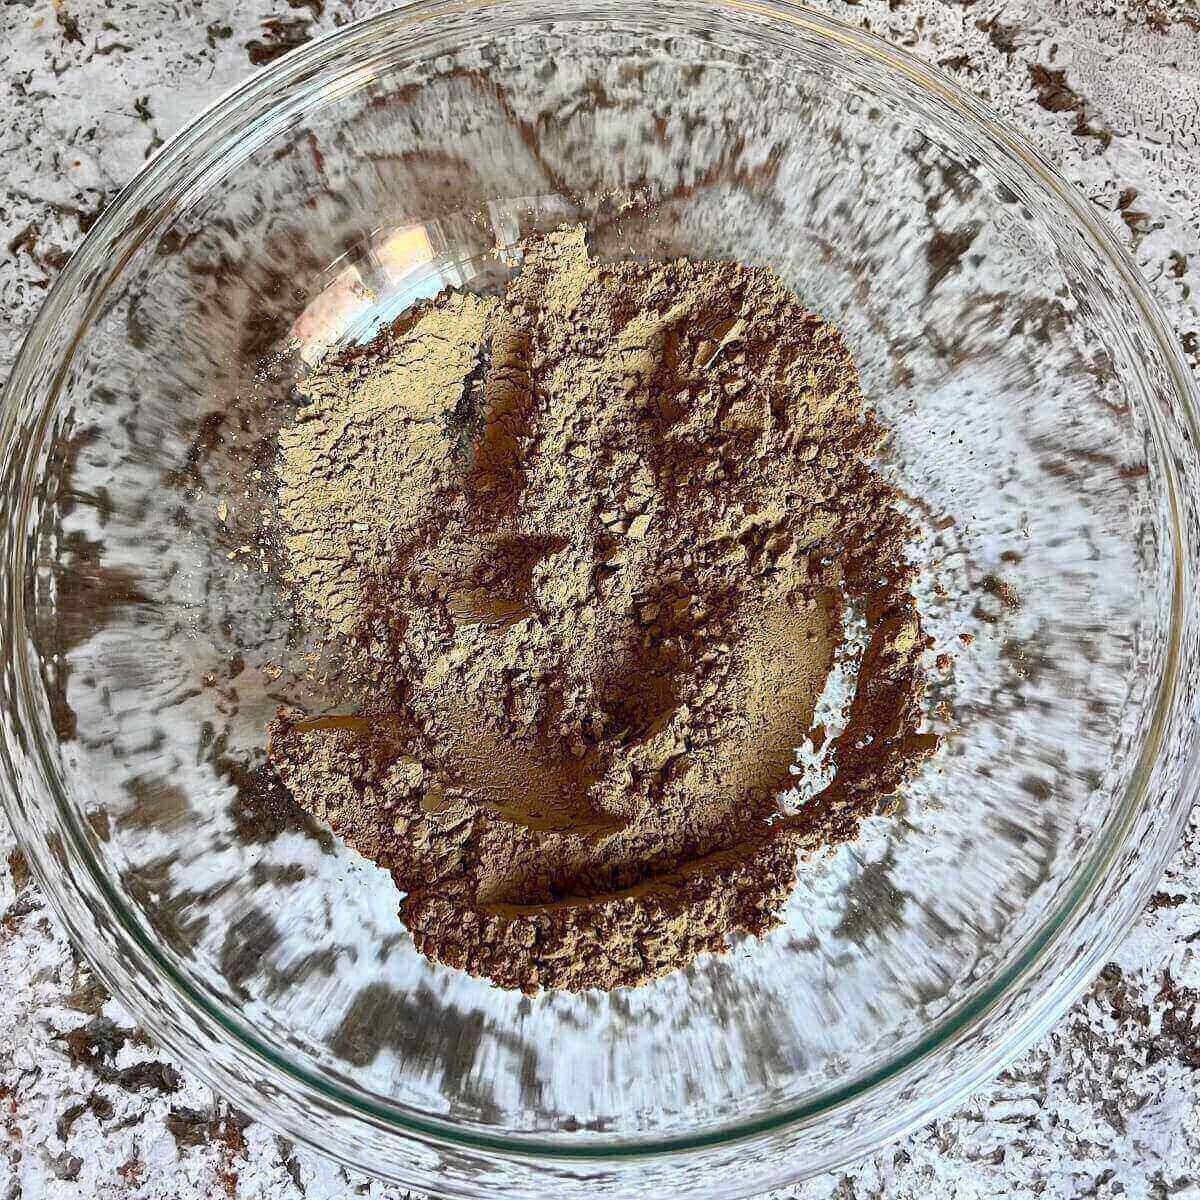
x=586 y=554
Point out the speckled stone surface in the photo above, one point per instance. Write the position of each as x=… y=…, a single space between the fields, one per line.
x=1107 y=1105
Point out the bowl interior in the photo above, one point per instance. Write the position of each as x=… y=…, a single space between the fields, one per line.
x=987 y=339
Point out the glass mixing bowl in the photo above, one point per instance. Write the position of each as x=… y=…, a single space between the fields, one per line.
x=1042 y=425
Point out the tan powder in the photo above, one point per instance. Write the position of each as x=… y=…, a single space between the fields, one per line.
x=586 y=554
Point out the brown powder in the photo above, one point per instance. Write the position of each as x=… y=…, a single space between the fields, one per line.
x=586 y=554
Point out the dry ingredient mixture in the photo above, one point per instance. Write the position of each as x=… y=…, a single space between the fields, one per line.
x=586 y=554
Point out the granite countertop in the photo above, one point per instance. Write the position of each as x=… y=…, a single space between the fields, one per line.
x=1106 y=1105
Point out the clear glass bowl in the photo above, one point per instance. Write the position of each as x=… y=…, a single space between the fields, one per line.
x=1044 y=427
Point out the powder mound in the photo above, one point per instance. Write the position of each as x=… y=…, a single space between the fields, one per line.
x=585 y=555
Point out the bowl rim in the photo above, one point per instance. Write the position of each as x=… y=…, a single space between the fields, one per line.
x=124 y=212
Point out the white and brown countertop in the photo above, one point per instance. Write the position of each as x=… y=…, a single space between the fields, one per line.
x=1107 y=1105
